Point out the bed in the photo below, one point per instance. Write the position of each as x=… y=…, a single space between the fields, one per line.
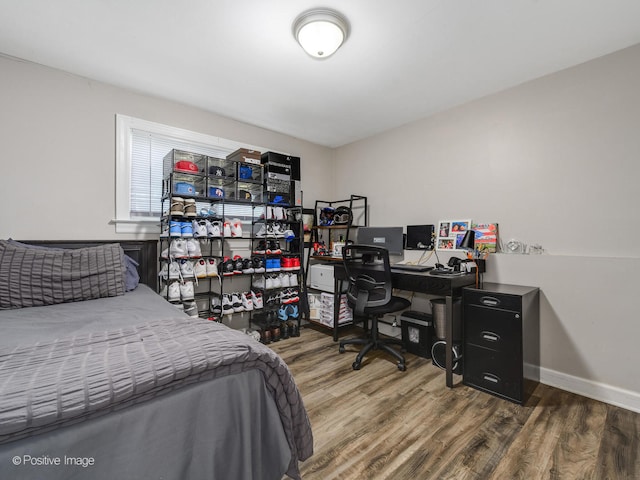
x=128 y=386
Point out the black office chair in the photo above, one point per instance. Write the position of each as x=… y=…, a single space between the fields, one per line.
x=370 y=295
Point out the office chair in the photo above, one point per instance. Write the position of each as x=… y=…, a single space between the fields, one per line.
x=370 y=295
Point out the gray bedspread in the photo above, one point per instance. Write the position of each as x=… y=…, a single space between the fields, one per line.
x=48 y=382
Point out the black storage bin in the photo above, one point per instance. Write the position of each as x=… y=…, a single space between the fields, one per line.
x=417 y=332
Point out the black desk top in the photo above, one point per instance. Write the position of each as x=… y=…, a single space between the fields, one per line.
x=421 y=281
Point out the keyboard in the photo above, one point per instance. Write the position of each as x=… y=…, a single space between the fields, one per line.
x=446 y=273
x=410 y=268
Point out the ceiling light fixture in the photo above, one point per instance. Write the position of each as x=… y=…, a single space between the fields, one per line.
x=320 y=32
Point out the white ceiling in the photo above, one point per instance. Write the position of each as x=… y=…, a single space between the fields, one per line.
x=404 y=59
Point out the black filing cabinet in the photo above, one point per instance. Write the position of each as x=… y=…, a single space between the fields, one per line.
x=501 y=335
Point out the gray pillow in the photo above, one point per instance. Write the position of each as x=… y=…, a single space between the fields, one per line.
x=32 y=277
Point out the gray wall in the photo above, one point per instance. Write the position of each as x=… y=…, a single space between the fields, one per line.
x=57 y=133
x=556 y=162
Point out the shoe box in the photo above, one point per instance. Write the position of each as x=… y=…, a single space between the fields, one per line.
x=280 y=173
x=245 y=155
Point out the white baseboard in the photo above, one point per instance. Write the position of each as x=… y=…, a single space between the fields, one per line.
x=587 y=388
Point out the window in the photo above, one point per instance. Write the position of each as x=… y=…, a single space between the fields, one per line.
x=141 y=146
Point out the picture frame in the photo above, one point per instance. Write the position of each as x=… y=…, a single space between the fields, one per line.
x=308 y=221
x=450 y=234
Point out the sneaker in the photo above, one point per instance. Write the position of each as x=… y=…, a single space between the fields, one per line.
x=175 y=228
x=178 y=248
x=268 y=282
x=256 y=298
x=278 y=230
x=227 y=306
x=177 y=206
x=278 y=213
x=261 y=248
x=186 y=229
x=262 y=232
x=190 y=207
x=212 y=267
x=236 y=302
x=191 y=309
x=193 y=248
x=200 y=268
x=174 y=292
x=228 y=267
x=165 y=231
x=186 y=269
x=259 y=282
x=258 y=264
x=293 y=279
x=284 y=279
x=226 y=232
x=292 y=311
x=296 y=263
x=199 y=228
x=268 y=263
x=186 y=291
x=247 y=266
x=170 y=271
x=237 y=264
x=287 y=264
x=236 y=228
x=273 y=247
x=282 y=313
x=213 y=229
x=247 y=302
x=275 y=264
x=216 y=306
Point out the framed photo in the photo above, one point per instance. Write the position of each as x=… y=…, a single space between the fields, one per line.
x=450 y=233
x=308 y=216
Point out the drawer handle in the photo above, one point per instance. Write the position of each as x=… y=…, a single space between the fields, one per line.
x=490 y=301
x=490 y=336
x=490 y=378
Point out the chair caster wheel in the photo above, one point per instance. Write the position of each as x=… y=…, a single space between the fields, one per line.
x=356 y=365
x=402 y=367
x=341 y=349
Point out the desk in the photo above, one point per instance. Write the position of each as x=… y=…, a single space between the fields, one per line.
x=422 y=282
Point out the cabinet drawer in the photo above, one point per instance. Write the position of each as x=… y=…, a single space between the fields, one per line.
x=493 y=328
x=493 y=300
x=494 y=372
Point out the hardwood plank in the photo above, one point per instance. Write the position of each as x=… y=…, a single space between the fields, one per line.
x=381 y=423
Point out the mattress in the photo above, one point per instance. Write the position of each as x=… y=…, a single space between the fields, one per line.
x=116 y=371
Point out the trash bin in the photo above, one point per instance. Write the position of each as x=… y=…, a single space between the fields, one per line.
x=417 y=332
x=439 y=312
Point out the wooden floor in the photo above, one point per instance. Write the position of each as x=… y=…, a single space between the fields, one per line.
x=380 y=423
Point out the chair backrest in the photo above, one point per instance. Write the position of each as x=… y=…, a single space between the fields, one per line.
x=369 y=275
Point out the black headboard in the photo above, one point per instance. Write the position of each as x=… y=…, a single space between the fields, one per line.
x=145 y=252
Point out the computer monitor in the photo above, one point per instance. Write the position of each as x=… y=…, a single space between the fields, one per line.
x=420 y=237
x=390 y=238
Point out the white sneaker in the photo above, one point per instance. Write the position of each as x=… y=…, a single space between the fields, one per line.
x=278 y=213
x=212 y=267
x=174 y=292
x=278 y=230
x=193 y=248
x=216 y=306
x=259 y=282
x=269 y=284
x=236 y=302
x=236 y=228
x=293 y=280
x=187 y=291
x=213 y=229
x=227 y=306
x=247 y=302
x=263 y=231
x=226 y=232
x=283 y=279
x=257 y=299
x=170 y=271
x=178 y=248
x=199 y=228
x=269 y=213
x=186 y=269
x=191 y=309
x=200 y=268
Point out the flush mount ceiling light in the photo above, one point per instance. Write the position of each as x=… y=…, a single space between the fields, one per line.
x=320 y=32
